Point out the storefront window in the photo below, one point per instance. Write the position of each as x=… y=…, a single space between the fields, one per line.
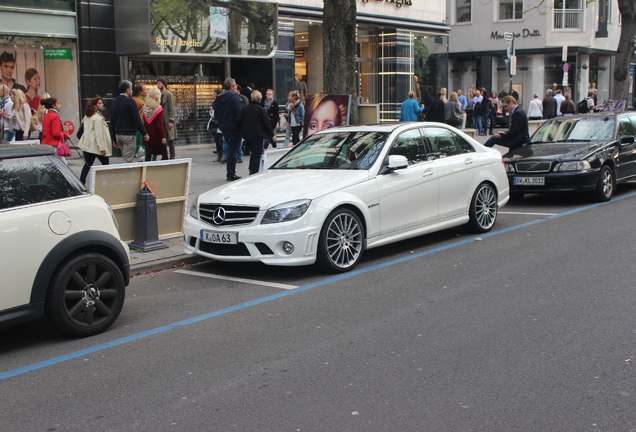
x=63 y=5
x=510 y=9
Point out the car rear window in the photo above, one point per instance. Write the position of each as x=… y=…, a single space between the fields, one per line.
x=33 y=180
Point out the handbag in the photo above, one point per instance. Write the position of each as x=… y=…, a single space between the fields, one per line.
x=80 y=130
x=284 y=124
x=63 y=149
x=456 y=118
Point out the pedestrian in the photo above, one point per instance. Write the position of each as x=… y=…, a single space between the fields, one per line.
x=549 y=105
x=517 y=134
x=410 y=108
x=559 y=98
x=271 y=107
x=477 y=118
x=125 y=122
x=244 y=100
x=52 y=130
x=453 y=112
x=295 y=114
x=39 y=115
x=485 y=111
x=493 y=107
x=21 y=114
x=213 y=127
x=6 y=113
x=95 y=141
x=436 y=113
x=227 y=108
x=462 y=99
x=140 y=91
x=169 y=115
x=154 y=124
x=535 y=108
x=247 y=91
x=32 y=78
x=255 y=127
x=567 y=106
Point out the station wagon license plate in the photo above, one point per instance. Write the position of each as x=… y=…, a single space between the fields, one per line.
x=219 y=238
x=528 y=181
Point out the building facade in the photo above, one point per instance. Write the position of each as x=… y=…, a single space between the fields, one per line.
x=478 y=49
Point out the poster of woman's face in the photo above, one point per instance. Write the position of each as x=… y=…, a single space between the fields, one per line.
x=326 y=111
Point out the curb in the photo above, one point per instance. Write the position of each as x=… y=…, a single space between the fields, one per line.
x=165 y=264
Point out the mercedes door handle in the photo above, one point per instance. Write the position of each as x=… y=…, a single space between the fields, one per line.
x=427 y=173
x=469 y=161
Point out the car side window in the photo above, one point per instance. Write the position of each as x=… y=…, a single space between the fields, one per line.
x=625 y=127
x=32 y=180
x=411 y=145
x=442 y=142
x=464 y=146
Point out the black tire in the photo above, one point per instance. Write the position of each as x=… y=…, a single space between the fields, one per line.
x=483 y=209
x=606 y=185
x=516 y=196
x=86 y=295
x=341 y=242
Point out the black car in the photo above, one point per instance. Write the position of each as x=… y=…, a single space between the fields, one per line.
x=582 y=153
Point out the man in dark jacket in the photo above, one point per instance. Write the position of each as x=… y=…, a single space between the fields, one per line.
x=255 y=128
x=227 y=107
x=549 y=105
x=125 y=122
x=517 y=134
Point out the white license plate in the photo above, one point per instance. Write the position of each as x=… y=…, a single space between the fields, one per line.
x=528 y=181
x=219 y=237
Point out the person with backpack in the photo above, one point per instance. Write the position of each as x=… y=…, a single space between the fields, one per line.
x=587 y=104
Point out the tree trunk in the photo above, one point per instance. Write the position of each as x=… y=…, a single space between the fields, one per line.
x=339 y=51
x=625 y=50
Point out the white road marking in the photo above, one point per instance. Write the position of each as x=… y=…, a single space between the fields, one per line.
x=234 y=279
x=530 y=214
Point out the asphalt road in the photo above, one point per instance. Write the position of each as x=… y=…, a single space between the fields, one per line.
x=528 y=328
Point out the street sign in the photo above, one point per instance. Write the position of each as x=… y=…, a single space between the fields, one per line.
x=566 y=68
x=508 y=36
x=513 y=65
x=564 y=53
x=564 y=83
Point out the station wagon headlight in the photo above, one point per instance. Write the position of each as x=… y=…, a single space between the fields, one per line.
x=194 y=208
x=286 y=212
x=510 y=168
x=573 y=166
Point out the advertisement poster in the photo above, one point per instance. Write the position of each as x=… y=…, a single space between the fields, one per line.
x=23 y=68
x=326 y=111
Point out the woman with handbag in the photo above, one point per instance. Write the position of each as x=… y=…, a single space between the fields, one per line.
x=22 y=114
x=453 y=111
x=95 y=141
x=152 y=115
x=295 y=115
x=52 y=130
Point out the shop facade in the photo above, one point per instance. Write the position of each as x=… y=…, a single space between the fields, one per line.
x=479 y=50
x=269 y=44
x=39 y=52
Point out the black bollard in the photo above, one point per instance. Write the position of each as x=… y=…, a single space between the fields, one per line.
x=146 y=228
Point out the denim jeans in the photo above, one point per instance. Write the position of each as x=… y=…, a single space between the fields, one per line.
x=477 y=118
x=8 y=136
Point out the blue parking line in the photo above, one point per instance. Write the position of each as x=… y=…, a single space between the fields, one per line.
x=162 y=329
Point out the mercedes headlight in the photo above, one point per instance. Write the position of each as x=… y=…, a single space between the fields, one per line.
x=573 y=166
x=194 y=209
x=288 y=211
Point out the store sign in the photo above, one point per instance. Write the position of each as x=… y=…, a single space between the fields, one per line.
x=58 y=54
x=397 y=3
x=223 y=28
x=524 y=33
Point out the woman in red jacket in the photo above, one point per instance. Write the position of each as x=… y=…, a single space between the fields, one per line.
x=52 y=130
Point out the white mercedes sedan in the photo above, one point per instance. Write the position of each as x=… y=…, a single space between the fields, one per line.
x=347 y=189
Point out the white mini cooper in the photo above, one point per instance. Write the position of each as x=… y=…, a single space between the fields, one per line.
x=60 y=251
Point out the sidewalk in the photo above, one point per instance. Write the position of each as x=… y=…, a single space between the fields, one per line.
x=205 y=174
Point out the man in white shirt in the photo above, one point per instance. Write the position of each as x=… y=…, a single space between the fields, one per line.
x=559 y=98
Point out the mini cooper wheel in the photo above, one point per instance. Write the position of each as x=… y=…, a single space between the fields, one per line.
x=86 y=295
x=483 y=209
x=341 y=242
x=606 y=185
